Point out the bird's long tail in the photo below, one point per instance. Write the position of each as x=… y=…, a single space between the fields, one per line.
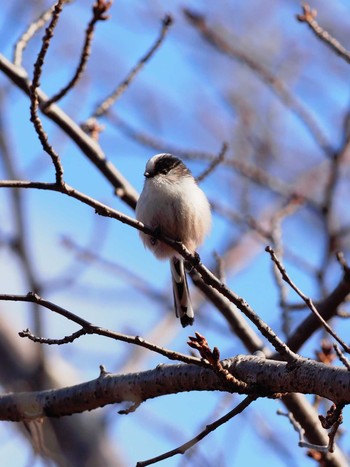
x=182 y=301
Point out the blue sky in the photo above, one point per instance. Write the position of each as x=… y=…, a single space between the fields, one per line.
x=181 y=98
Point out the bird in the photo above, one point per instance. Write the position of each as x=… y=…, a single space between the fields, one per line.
x=173 y=205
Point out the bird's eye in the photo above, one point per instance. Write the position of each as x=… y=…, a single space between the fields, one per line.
x=164 y=171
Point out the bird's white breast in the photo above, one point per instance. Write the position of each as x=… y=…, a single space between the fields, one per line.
x=178 y=208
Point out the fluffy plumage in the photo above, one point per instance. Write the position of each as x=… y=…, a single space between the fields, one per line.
x=173 y=203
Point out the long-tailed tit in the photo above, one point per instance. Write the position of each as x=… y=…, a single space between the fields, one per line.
x=172 y=203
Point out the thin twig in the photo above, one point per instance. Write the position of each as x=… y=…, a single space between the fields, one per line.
x=200 y=344
x=90 y=148
x=34 y=104
x=193 y=259
x=213 y=37
x=116 y=94
x=99 y=10
x=30 y=32
x=214 y=163
x=276 y=236
x=43 y=340
x=332 y=421
x=208 y=429
x=342 y=357
x=250 y=171
x=89 y=328
x=301 y=432
x=308 y=16
x=306 y=299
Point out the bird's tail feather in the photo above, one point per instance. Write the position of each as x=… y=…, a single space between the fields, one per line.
x=182 y=301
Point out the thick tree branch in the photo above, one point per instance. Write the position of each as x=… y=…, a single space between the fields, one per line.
x=263 y=377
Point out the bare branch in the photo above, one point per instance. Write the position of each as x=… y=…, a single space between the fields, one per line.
x=332 y=421
x=112 y=98
x=306 y=299
x=34 y=117
x=308 y=16
x=276 y=85
x=99 y=14
x=215 y=162
x=301 y=432
x=89 y=328
x=341 y=356
x=89 y=147
x=30 y=33
x=193 y=260
x=208 y=429
x=263 y=380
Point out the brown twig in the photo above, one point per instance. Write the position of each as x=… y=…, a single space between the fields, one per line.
x=32 y=29
x=200 y=344
x=43 y=340
x=193 y=259
x=214 y=163
x=99 y=10
x=341 y=356
x=306 y=299
x=208 y=429
x=278 y=87
x=116 y=94
x=89 y=328
x=34 y=104
x=250 y=171
x=276 y=236
x=89 y=147
x=308 y=16
x=332 y=421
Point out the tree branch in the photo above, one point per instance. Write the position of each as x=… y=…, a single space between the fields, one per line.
x=208 y=429
x=89 y=147
x=264 y=378
x=308 y=16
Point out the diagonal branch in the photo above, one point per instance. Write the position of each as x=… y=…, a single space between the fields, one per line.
x=32 y=29
x=88 y=146
x=112 y=98
x=99 y=14
x=208 y=429
x=276 y=85
x=194 y=260
x=308 y=16
x=306 y=299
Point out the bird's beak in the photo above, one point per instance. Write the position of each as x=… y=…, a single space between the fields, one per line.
x=147 y=174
